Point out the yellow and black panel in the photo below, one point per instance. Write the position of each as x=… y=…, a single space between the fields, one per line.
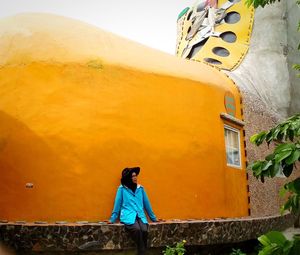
x=215 y=33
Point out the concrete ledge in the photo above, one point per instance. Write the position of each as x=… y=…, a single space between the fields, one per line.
x=75 y=237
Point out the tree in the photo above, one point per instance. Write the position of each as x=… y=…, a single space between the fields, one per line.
x=284 y=157
x=286 y=154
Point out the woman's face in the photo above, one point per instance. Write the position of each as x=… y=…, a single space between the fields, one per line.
x=134 y=177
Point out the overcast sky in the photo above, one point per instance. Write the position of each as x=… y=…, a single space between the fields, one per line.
x=152 y=23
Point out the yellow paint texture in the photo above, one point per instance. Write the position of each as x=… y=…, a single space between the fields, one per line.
x=77 y=105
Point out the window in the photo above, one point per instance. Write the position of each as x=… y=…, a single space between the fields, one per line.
x=232 y=144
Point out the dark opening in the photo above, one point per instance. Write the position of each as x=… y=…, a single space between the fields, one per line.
x=189 y=15
x=232 y=17
x=229 y=37
x=213 y=61
x=189 y=29
x=220 y=51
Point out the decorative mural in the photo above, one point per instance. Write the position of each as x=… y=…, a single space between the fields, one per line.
x=215 y=32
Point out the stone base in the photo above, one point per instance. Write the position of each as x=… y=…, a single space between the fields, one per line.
x=90 y=237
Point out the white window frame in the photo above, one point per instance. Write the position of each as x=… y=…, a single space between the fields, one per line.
x=239 y=142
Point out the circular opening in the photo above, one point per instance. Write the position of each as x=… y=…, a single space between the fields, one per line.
x=229 y=37
x=220 y=51
x=232 y=17
x=213 y=61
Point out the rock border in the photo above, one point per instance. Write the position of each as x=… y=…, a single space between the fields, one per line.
x=101 y=236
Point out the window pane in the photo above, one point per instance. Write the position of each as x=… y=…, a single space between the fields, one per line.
x=232 y=143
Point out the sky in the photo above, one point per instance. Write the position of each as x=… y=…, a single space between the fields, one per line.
x=152 y=23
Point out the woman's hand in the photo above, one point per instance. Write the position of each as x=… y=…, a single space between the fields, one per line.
x=108 y=222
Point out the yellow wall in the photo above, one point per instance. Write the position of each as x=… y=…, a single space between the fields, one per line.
x=71 y=127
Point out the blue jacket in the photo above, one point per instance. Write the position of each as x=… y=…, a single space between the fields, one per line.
x=131 y=205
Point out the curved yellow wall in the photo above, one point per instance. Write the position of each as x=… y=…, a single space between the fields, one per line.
x=70 y=127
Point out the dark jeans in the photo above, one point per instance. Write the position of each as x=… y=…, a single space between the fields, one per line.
x=139 y=234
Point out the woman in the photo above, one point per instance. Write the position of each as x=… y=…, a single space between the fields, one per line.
x=131 y=200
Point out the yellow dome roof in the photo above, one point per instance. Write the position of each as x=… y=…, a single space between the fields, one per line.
x=32 y=37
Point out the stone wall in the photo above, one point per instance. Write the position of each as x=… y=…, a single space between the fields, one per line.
x=85 y=237
x=264 y=197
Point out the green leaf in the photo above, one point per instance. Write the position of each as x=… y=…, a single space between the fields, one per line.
x=287 y=205
x=266 y=165
x=257 y=168
x=253 y=138
x=282 y=191
x=293 y=203
x=276 y=237
x=272 y=249
x=270 y=157
x=256 y=165
x=280 y=136
x=288 y=129
x=269 y=137
x=282 y=155
x=287 y=247
x=258 y=138
x=284 y=129
x=297 y=186
x=264 y=240
x=289 y=186
x=291 y=135
x=282 y=210
x=284 y=147
x=293 y=157
x=275 y=242
x=274 y=170
x=275 y=132
x=296 y=247
x=294 y=186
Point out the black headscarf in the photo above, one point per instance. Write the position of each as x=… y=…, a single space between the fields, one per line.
x=126 y=179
